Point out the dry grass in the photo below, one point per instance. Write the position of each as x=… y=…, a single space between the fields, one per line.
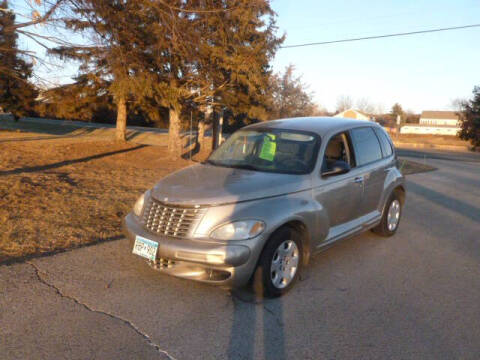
x=65 y=192
x=429 y=139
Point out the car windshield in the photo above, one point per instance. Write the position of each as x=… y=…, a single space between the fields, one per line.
x=270 y=150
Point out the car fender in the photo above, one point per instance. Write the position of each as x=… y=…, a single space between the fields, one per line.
x=393 y=180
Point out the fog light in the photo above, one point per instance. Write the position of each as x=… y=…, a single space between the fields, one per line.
x=215 y=258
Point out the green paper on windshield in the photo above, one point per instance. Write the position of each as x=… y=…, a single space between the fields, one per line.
x=269 y=148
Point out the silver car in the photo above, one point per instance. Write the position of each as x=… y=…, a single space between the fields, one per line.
x=266 y=200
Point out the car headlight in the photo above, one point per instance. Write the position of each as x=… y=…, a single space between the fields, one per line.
x=238 y=230
x=138 y=207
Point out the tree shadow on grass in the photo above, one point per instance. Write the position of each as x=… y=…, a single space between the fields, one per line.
x=81 y=132
x=30 y=169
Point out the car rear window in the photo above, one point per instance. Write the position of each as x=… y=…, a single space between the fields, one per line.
x=366 y=145
x=384 y=142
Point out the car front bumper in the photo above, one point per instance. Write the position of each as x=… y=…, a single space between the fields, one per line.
x=225 y=264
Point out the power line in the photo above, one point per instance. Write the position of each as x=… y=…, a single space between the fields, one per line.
x=380 y=36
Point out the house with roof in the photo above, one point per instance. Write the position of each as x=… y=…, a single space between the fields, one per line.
x=353 y=114
x=434 y=123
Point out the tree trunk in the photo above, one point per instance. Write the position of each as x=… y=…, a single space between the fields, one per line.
x=214 y=131
x=121 y=119
x=174 y=141
x=201 y=132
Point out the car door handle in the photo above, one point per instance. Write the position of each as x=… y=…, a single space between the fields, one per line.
x=358 y=179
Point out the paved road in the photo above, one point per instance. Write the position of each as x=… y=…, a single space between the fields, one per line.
x=439 y=154
x=413 y=296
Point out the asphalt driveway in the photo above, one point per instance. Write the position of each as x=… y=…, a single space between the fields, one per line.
x=413 y=296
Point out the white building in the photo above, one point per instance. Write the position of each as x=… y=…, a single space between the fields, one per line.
x=439 y=118
x=353 y=114
x=434 y=123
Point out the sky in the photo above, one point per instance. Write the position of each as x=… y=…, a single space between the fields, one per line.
x=421 y=72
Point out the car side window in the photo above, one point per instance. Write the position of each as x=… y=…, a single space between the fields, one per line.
x=366 y=145
x=338 y=149
x=384 y=142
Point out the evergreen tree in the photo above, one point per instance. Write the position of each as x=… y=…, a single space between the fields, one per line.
x=83 y=100
x=172 y=54
x=17 y=94
x=112 y=60
x=234 y=52
x=397 y=110
x=470 y=119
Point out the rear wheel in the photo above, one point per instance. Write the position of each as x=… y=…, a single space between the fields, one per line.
x=391 y=217
x=280 y=263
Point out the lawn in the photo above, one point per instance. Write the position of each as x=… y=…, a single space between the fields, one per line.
x=429 y=140
x=58 y=193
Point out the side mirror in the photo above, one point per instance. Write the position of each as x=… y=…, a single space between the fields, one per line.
x=339 y=167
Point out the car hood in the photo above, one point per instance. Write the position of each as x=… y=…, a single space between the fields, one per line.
x=205 y=184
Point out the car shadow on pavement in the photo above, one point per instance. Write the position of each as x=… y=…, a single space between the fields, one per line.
x=250 y=309
x=30 y=169
x=446 y=201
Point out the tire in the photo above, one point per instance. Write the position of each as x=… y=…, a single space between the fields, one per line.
x=284 y=252
x=388 y=228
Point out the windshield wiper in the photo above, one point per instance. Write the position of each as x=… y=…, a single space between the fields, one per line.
x=210 y=162
x=232 y=166
x=245 y=167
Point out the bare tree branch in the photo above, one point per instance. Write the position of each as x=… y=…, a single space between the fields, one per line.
x=195 y=11
x=39 y=20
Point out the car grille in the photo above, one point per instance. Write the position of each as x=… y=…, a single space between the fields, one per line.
x=171 y=220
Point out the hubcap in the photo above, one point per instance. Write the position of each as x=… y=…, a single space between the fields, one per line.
x=393 y=216
x=284 y=264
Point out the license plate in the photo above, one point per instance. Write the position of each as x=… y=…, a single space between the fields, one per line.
x=146 y=248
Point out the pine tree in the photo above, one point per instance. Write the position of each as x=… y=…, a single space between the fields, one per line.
x=111 y=60
x=470 y=119
x=84 y=100
x=172 y=54
x=215 y=54
x=235 y=51
x=397 y=111
x=17 y=94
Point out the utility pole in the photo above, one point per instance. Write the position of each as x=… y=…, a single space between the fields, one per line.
x=220 y=128
x=399 y=120
x=217 y=130
x=191 y=134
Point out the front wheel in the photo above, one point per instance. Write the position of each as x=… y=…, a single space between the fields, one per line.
x=279 y=264
x=391 y=217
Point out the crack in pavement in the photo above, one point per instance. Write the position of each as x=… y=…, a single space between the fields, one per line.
x=147 y=338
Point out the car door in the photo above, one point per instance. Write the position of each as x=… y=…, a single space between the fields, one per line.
x=371 y=165
x=340 y=195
